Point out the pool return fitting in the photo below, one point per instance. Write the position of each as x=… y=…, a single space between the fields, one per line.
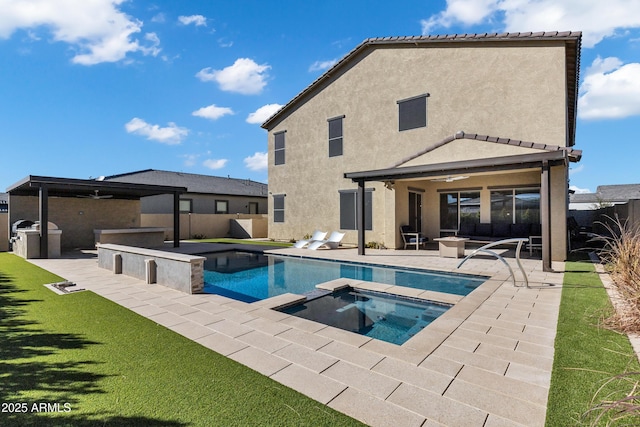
x=485 y=249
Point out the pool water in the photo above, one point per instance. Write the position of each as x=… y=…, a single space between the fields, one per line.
x=381 y=316
x=250 y=277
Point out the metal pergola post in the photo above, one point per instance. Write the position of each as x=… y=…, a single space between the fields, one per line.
x=43 y=195
x=176 y=220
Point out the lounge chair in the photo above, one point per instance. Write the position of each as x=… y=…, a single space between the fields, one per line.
x=331 y=243
x=410 y=237
x=316 y=236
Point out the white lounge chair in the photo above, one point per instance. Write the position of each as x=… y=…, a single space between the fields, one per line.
x=316 y=236
x=331 y=243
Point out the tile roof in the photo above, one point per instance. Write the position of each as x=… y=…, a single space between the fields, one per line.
x=574 y=155
x=571 y=38
x=195 y=183
x=609 y=193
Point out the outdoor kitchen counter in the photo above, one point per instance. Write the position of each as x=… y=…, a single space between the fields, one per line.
x=143 y=237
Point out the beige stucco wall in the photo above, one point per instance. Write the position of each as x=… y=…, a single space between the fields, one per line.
x=4 y=231
x=208 y=225
x=78 y=217
x=508 y=91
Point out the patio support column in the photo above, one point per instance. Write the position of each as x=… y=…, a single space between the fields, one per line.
x=361 y=215
x=545 y=215
x=176 y=220
x=44 y=221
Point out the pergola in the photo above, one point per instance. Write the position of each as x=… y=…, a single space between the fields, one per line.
x=45 y=187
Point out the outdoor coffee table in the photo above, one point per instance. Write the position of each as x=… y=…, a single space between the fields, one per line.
x=451 y=247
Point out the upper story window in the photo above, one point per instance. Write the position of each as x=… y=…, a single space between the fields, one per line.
x=335 y=136
x=412 y=112
x=278 y=153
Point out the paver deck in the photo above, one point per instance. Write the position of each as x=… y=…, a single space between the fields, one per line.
x=485 y=362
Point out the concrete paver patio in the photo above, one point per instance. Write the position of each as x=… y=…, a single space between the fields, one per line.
x=485 y=362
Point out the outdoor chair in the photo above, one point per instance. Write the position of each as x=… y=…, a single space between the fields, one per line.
x=410 y=237
x=316 y=236
x=331 y=243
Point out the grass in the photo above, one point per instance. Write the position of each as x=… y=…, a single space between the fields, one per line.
x=587 y=356
x=245 y=242
x=113 y=367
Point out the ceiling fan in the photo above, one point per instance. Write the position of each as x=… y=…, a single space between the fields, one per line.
x=450 y=178
x=95 y=196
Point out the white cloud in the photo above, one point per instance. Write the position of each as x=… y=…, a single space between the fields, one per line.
x=171 y=135
x=244 y=76
x=596 y=19
x=197 y=20
x=215 y=163
x=97 y=30
x=190 y=159
x=263 y=113
x=212 y=112
x=610 y=90
x=322 y=65
x=159 y=18
x=579 y=190
x=257 y=162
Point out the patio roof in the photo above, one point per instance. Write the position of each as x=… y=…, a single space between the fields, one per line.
x=492 y=164
x=70 y=187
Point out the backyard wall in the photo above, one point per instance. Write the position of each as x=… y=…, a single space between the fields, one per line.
x=4 y=231
x=210 y=225
x=629 y=211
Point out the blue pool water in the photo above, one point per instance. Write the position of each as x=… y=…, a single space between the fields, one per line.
x=250 y=277
x=373 y=314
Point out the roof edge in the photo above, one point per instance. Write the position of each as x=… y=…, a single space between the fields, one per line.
x=446 y=38
x=574 y=155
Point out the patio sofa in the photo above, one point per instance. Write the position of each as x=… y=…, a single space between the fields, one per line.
x=482 y=232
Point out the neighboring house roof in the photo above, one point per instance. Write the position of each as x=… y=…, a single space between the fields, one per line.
x=621 y=193
x=573 y=155
x=195 y=183
x=572 y=41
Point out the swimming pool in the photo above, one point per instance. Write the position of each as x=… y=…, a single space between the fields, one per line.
x=249 y=277
x=373 y=314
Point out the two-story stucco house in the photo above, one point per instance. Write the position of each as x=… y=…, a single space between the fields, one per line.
x=441 y=133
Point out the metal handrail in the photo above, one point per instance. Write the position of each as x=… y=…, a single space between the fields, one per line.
x=485 y=249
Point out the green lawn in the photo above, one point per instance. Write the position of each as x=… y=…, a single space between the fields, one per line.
x=94 y=362
x=586 y=355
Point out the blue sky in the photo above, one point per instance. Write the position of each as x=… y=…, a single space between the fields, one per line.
x=113 y=86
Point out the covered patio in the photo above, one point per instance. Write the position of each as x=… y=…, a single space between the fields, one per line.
x=543 y=167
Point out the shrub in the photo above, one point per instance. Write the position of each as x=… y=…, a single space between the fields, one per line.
x=375 y=245
x=621 y=256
